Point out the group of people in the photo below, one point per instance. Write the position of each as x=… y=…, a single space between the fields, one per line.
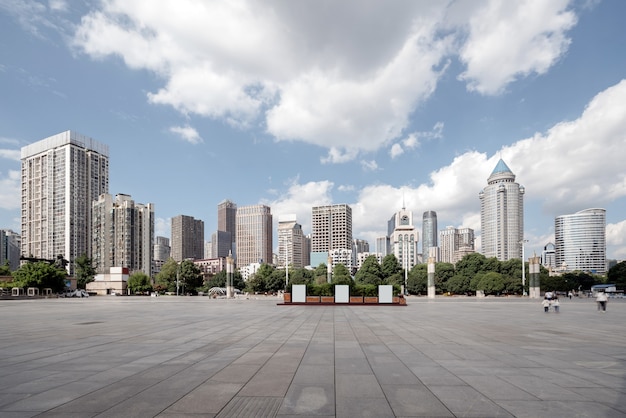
x=551 y=300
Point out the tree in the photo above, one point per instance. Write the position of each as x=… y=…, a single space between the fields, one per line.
x=320 y=274
x=342 y=275
x=83 y=271
x=617 y=275
x=417 y=282
x=458 y=284
x=40 y=274
x=166 y=278
x=470 y=265
x=5 y=270
x=491 y=283
x=443 y=273
x=370 y=272
x=189 y=277
x=139 y=282
x=301 y=276
x=390 y=266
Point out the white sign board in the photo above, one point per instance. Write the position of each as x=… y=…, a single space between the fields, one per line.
x=298 y=293
x=342 y=293
x=385 y=293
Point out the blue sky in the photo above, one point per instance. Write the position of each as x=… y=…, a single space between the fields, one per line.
x=297 y=104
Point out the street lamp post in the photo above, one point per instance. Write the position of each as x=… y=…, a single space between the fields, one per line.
x=523 y=268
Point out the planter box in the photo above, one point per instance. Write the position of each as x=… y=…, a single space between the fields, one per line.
x=370 y=299
x=356 y=299
x=395 y=300
x=312 y=299
x=287 y=297
x=327 y=299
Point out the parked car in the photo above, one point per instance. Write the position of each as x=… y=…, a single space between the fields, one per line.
x=80 y=293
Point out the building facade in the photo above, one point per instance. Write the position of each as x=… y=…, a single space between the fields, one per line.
x=405 y=239
x=254 y=235
x=429 y=232
x=290 y=243
x=331 y=229
x=61 y=176
x=187 y=238
x=580 y=241
x=122 y=234
x=502 y=215
x=455 y=243
x=548 y=256
x=221 y=244
x=162 y=251
x=227 y=221
x=10 y=243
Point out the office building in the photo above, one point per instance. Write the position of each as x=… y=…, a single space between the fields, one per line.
x=10 y=249
x=502 y=215
x=187 y=238
x=455 y=243
x=227 y=221
x=580 y=241
x=162 y=251
x=429 y=233
x=254 y=235
x=382 y=245
x=331 y=229
x=405 y=239
x=123 y=234
x=548 y=256
x=61 y=176
x=290 y=243
x=221 y=244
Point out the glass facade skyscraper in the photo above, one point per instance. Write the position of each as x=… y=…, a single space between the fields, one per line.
x=429 y=232
x=580 y=241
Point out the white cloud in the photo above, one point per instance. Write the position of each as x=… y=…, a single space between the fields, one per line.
x=370 y=165
x=162 y=227
x=616 y=238
x=508 y=40
x=396 y=150
x=10 y=190
x=187 y=133
x=343 y=76
x=11 y=154
x=412 y=141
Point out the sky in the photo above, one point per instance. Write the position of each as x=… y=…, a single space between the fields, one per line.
x=372 y=103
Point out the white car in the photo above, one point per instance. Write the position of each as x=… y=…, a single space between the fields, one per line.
x=80 y=293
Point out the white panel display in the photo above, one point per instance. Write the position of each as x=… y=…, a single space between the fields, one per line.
x=298 y=293
x=385 y=293
x=342 y=293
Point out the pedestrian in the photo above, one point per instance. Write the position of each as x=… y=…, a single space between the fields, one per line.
x=602 y=301
x=546 y=305
x=556 y=304
x=570 y=294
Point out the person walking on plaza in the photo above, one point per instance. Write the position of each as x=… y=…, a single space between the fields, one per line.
x=555 y=304
x=546 y=305
x=602 y=300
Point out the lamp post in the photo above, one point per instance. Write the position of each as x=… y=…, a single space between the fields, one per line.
x=523 y=268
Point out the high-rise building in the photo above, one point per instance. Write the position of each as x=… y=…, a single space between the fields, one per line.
x=455 y=243
x=404 y=239
x=580 y=241
x=221 y=244
x=502 y=215
x=429 y=232
x=61 y=176
x=227 y=220
x=123 y=234
x=254 y=235
x=10 y=243
x=382 y=246
x=162 y=251
x=187 y=238
x=331 y=229
x=290 y=242
x=548 y=256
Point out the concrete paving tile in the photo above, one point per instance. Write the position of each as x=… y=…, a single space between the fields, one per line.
x=252 y=407
x=559 y=409
x=414 y=401
x=465 y=401
x=357 y=386
x=363 y=407
x=497 y=389
x=314 y=374
x=208 y=398
x=268 y=383
x=394 y=374
x=235 y=373
x=309 y=400
x=352 y=366
x=541 y=388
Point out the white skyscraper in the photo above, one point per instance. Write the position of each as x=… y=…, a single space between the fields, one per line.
x=404 y=239
x=254 y=235
x=331 y=229
x=290 y=242
x=502 y=215
x=61 y=176
x=580 y=241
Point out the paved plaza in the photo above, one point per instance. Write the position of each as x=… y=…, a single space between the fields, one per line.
x=110 y=356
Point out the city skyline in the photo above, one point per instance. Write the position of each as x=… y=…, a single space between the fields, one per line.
x=358 y=105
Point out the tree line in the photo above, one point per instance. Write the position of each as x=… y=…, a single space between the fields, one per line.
x=473 y=272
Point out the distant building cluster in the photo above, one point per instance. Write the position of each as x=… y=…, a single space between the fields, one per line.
x=67 y=210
